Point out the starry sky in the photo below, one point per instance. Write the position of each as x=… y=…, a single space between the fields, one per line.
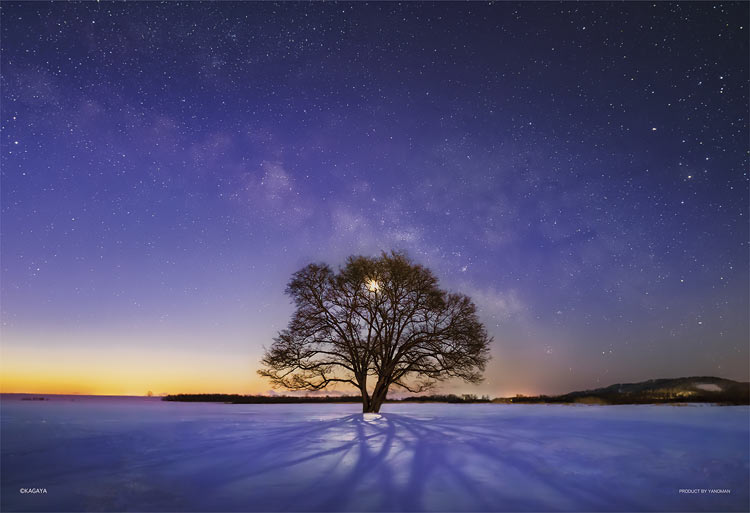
x=579 y=169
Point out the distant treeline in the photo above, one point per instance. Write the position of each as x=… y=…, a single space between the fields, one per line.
x=450 y=398
x=260 y=399
x=286 y=399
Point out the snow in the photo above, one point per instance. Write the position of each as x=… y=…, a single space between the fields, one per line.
x=709 y=387
x=109 y=454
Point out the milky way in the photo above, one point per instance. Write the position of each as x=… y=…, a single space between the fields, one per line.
x=580 y=170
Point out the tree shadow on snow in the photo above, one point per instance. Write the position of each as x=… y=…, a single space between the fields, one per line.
x=394 y=462
x=386 y=462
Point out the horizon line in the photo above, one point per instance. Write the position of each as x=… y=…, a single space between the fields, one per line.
x=161 y=395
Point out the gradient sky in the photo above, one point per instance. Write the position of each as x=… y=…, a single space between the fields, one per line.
x=580 y=170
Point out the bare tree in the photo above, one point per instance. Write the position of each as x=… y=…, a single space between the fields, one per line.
x=381 y=318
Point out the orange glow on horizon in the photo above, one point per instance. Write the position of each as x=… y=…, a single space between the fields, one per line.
x=130 y=371
x=136 y=363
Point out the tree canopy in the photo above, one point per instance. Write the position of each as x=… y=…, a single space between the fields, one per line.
x=381 y=320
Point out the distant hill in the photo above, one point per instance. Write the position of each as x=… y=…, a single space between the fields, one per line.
x=698 y=389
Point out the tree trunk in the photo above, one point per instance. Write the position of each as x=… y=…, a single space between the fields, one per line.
x=376 y=400
x=371 y=404
x=366 y=403
x=375 y=406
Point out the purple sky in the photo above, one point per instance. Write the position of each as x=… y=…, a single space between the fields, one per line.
x=580 y=170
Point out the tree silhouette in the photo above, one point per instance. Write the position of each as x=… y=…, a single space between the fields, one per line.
x=381 y=318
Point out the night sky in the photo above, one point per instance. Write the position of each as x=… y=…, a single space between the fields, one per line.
x=579 y=170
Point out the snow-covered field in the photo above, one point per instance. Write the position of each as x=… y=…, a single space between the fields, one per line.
x=100 y=454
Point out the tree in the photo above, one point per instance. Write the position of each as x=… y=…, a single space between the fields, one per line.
x=382 y=318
